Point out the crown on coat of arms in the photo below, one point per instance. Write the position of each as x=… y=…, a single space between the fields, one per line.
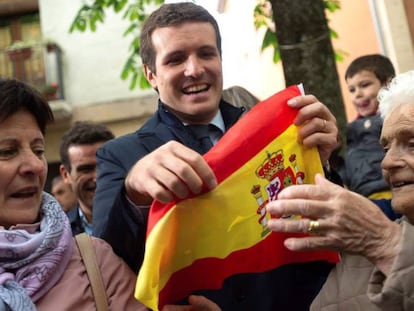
x=271 y=165
x=255 y=189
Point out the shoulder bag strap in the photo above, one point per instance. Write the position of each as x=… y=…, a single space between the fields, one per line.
x=87 y=253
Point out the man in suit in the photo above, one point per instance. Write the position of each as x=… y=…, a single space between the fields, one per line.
x=78 y=169
x=181 y=55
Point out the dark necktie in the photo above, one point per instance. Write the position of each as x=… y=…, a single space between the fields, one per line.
x=201 y=133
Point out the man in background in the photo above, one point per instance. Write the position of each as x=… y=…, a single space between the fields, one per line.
x=63 y=193
x=78 y=169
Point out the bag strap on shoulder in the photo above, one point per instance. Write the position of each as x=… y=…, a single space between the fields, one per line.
x=87 y=253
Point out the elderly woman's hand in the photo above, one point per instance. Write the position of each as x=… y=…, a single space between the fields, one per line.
x=336 y=219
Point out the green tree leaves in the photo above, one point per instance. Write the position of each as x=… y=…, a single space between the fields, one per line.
x=135 y=12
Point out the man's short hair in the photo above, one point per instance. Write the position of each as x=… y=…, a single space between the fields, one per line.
x=170 y=15
x=82 y=133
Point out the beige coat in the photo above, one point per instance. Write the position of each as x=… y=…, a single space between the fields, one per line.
x=356 y=285
x=73 y=291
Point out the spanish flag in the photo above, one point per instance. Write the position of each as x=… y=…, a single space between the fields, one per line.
x=197 y=243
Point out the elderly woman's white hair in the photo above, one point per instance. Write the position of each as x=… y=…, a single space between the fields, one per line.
x=399 y=91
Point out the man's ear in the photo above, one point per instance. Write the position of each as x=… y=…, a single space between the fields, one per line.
x=152 y=79
x=64 y=173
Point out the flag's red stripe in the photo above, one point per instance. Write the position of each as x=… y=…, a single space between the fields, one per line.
x=225 y=159
x=256 y=130
x=264 y=256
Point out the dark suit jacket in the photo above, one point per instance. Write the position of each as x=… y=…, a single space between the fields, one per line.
x=113 y=218
x=291 y=287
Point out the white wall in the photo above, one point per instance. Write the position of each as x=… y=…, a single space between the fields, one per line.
x=243 y=62
x=396 y=33
x=92 y=62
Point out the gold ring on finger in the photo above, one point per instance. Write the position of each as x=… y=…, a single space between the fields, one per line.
x=313 y=226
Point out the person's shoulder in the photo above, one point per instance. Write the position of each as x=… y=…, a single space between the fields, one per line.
x=377 y=119
x=133 y=137
x=100 y=244
x=109 y=262
x=126 y=138
x=351 y=126
x=119 y=280
x=119 y=145
x=104 y=253
x=102 y=249
x=359 y=122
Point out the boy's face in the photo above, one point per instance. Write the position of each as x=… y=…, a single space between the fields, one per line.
x=364 y=87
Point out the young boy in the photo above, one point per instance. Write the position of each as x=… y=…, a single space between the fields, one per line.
x=362 y=172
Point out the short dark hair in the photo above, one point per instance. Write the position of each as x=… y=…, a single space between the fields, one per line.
x=169 y=15
x=16 y=95
x=379 y=65
x=82 y=133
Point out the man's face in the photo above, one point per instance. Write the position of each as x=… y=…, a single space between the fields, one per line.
x=364 y=87
x=188 y=70
x=82 y=176
x=64 y=195
x=397 y=138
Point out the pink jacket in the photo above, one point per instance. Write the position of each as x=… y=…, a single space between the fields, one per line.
x=73 y=291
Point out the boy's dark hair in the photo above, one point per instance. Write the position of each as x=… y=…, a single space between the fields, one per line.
x=169 y=15
x=379 y=65
x=16 y=95
x=82 y=133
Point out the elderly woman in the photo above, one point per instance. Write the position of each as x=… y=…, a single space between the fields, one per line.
x=40 y=265
x=377 y=267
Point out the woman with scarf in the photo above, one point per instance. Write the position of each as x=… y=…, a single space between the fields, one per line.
x=40 y=265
